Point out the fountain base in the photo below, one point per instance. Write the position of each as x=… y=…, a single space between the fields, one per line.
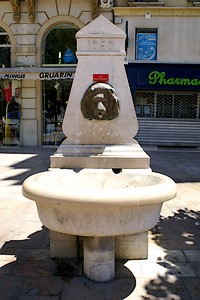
x=130 y=156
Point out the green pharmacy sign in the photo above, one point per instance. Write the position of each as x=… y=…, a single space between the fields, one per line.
x=161 y=78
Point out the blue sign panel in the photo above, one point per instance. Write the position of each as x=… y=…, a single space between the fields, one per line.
x=163 y=77
x=146 y=48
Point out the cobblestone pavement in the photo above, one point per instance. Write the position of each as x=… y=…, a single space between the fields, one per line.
x=172 y=270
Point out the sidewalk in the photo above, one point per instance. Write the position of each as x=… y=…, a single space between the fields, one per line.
x=172 y=270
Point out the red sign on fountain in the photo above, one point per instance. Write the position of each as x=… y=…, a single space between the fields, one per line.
x=101 y=77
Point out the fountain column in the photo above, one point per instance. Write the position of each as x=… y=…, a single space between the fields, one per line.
x=100 y=122
x=99 y=258
x=100 y=132
x=107 y=193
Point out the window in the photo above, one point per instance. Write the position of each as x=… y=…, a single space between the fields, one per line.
x=60 y=45
x=5 y=47
x=166 y=105
x=146 y=44
x=59 y=49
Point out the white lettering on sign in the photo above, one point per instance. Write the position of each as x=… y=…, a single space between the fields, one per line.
x=14 y=76
x=57 y=75
x=38 y=76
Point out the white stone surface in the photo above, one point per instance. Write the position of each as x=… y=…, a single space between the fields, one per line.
x=132 y=246
x=63 y=245
x=129 y=156
x=99 y=258
x=100 y=143
x=100 y=45
x=98 y=202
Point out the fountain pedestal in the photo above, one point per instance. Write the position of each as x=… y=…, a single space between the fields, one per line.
x=100 y=188
x=96 y=143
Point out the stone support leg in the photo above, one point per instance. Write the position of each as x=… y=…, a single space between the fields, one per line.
x=99 y=258
x=132 y=246
x=63 y=245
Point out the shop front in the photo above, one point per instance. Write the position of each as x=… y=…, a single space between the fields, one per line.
x=167 y=103
x=15 y=106
x=10 y=110
x=33 y=99
x=166 y=99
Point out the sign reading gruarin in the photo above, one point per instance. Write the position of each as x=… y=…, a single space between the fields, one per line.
x=37 y=75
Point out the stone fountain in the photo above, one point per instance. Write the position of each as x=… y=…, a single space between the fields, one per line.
x=99 y=188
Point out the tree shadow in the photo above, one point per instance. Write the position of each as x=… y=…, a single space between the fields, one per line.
x=27 y=271
x=179 y=236
x=30 y=161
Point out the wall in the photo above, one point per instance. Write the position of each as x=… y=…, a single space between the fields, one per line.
x=178 y=34
x=26 y=38
x=178 y=40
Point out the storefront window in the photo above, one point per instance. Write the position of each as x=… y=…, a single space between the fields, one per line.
x=10 y=109
x=8 y=135
x=55 y=99
x=144 y=104
x=167 y=105
x=59 y=51
x=60 y=45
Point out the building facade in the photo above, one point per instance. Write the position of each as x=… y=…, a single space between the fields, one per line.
x=38 y=62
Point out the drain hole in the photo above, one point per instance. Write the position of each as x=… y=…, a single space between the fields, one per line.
x=117 y=171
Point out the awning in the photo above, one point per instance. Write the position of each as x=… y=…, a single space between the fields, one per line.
x=36 y=73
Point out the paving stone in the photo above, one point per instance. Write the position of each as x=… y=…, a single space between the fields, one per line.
x=10 y=287
x=179 y=269
x=134 y=267
x=34 y=255
x=196 y=267
x=192 y=255
x=152 y=269
x=193 y=286
x=38 y=297
x=167 y=269
x=33 y=268
x=170 y=272
x=166 y=255
x=41 y=286
x=81 y=288
x=6 y=268
x=179 y=244
x=160 y=288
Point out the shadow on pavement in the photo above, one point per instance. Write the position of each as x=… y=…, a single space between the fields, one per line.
x=179 y=236
x=27 y=271
x=30 y=161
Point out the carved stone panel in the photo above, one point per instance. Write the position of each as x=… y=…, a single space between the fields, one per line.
x=17 y=10
x=100 y=102
x=100 y=44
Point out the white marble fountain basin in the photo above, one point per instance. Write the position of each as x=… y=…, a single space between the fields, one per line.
x=98 y=202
